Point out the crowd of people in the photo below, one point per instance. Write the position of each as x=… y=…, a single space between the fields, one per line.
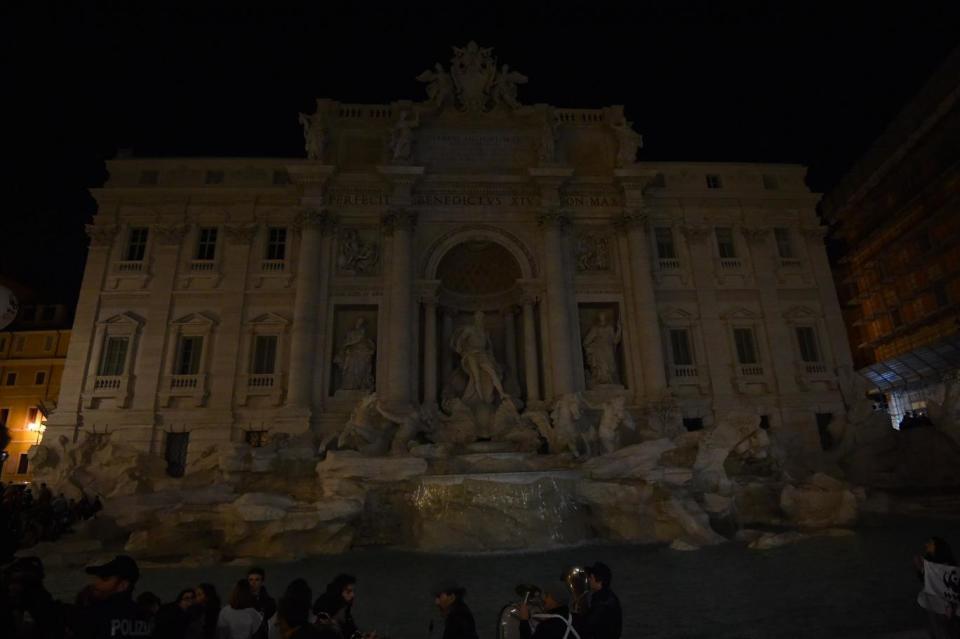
x=26 y=519
x=107 y=608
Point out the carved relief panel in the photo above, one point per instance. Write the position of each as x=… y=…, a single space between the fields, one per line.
x=358 y=251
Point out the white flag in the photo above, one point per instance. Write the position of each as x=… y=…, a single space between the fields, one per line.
x=941 y=588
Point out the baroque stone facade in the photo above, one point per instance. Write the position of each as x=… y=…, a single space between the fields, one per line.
x=439 y=281
x=230 y=285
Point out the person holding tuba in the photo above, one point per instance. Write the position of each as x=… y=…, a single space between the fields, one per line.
x=555 y=622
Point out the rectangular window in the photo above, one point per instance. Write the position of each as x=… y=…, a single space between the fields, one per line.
x=771 y=183
x=188 y=356
x=714 y=182
x=207 y=244
x=32 y=414
x=136 y=244
x=665 y=248
x=680 y=347
x=4 y=416
x=28 y=313
x=11 y=379
x=264 y=355
x=725 y=245
x=693 y=423
x=114 y=357
x=807 y=340
x=23 y=464
x=40 y=378
x=48 y=313
x=784 y=245
x=48 y=343
x=214 y=177
x=277 y=243
x=3 y=343
x=18 y=344
x=746 y=345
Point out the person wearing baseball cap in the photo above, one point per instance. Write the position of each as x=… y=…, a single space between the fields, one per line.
x=106 y=606
x=604 y=617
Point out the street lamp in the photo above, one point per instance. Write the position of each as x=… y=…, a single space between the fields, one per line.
x=38 y=428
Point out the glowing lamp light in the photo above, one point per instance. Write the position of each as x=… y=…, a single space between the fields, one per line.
x=38 y=428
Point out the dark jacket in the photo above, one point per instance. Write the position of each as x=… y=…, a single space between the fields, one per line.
x=331 y=605
x=459 y=623
x=172 y=622
x=604 y=618
x=266 y=606
x=118 y=617
x=552 y=628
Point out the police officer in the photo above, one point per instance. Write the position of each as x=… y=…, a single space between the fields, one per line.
x=106 y=609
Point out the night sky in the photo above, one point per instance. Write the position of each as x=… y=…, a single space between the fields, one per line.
x=804 y=82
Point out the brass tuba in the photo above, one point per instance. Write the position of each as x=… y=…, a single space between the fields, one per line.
x=576 y=580
x=508 y=624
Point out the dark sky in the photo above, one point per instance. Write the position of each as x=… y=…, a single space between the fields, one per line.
x=801 y=82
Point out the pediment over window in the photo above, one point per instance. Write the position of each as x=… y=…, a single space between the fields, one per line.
x=123 y=320
x=676 y=314
x=801 y=313
x=740 y=312
x=270 y=319
x=199 y=320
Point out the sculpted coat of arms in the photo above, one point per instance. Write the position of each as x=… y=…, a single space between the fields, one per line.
x=473 y=83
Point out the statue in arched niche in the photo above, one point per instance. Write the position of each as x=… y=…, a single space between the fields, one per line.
x=600 y=346
x=355 y=358
x=472 y=343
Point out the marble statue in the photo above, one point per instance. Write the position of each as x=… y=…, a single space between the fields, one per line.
x=401 y=137
x=314 y=135
x=600 y=346
x=614 y=414
x=593 y=253
x=357 y=256
x=439 y=85
x=472 y=343
x=568 y=432
x=355 y=358
x=365 y=431
x=628 y=142
x=548 y=140
x=505 y=87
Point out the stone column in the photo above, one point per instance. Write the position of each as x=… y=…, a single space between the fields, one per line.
x=836 y=329
x=446 y=333
x=563 y=340
x=645 y=308
x=399 y=224
x=429 y=300
x=530 y=359
x=510 y=350
x=310 y=223
x=83 y=354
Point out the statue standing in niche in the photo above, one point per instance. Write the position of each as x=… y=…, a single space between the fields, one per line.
x=355 y=358
x=472 y=343
x=600 y=346
x=314 y=136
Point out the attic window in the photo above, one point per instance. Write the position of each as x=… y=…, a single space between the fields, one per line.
x=771 y=183
x=714 y=182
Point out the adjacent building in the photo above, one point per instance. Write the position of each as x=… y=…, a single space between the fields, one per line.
x=33 y=351
x=896 y=217
x=227 y=298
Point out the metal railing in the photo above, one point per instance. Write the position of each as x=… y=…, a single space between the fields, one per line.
x=107 y=382
x=669 y=264
x=130 y=266
x=184 y=381
x=261 y=380
x=202 y=265
x=751 y=370
x=273 y=266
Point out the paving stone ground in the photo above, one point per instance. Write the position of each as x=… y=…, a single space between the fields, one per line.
x=849 y=587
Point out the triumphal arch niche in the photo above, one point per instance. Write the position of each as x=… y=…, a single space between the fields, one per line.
x=488 y=238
